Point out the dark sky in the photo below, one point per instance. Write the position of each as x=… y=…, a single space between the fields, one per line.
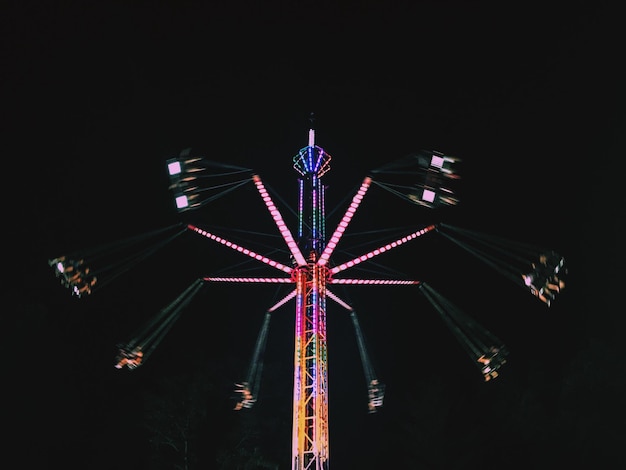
x=98 y=97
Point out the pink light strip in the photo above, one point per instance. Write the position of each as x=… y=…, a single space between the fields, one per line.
x=266 y=280
x=356 y=201
x=339 y=301
x=374 y=281
x=380 y=250
x=284 y=231
x=245 y=251
x=285 y=299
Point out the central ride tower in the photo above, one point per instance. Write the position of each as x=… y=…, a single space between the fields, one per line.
x=310 y=388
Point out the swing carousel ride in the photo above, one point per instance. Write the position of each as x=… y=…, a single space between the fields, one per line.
x=312 y=271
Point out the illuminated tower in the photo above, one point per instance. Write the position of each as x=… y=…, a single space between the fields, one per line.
x=310 y=253
x=310 y=388
x=313 y=276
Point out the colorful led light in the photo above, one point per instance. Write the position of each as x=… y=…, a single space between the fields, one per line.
x=282 y=228
x=262 y=280
x=334 y=239
x=380 y=250
x=241 y=249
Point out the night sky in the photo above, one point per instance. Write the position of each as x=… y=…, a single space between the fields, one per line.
x=97 y=97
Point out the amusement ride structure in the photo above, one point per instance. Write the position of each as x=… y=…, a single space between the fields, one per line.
x=426 y=178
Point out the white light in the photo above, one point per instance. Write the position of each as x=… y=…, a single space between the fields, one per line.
x=174 y=168
x=181 y=202
x=428 y=195
x=436 y=161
